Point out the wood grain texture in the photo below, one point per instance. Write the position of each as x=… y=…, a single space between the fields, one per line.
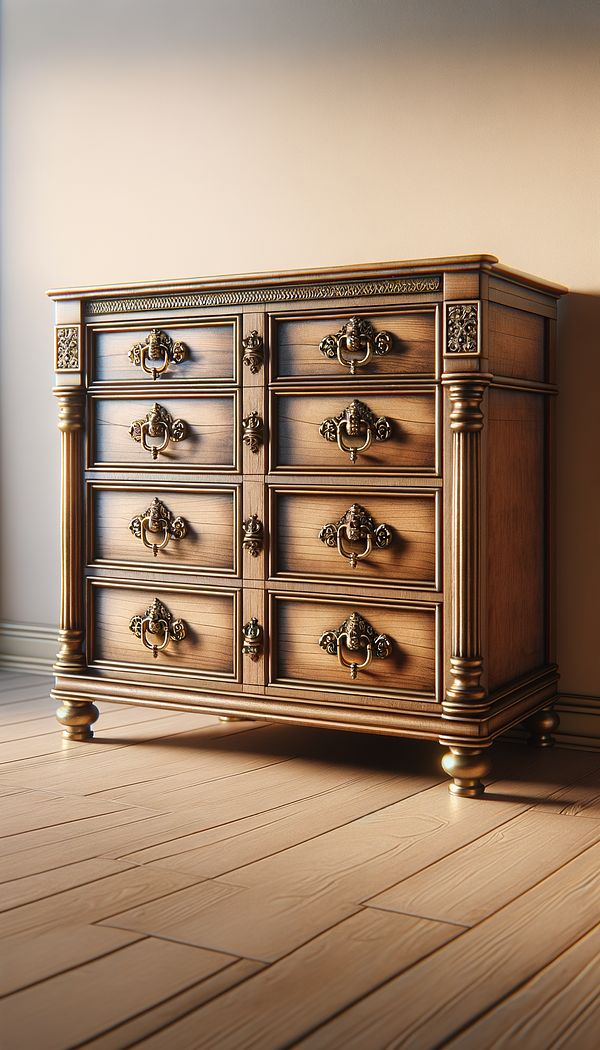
x=295 y=345
x=297 y=624
x=516 y=343
x=558 y=1007
x=211 y=353
x=210 y=620
x=210 y=516
x=297 y=551
x=167 y=968
x=483 y=876
x=298 y=445
x=268 y=1012
x=210 y=441
x=516 y=557
x=475 y=971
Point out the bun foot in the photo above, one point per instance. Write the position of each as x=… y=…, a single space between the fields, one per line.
x=466 y=766
x=541 y=726
x=76 y=717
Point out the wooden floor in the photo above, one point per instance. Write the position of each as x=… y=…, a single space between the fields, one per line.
x=184 y=883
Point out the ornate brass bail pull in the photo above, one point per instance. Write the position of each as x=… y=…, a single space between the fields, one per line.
x=358 y=527
x=157 y=520
x=156 y=353
x=157 y=424
x=357 y=337
x=157 y=622
x=357 y=636
x=356 y=421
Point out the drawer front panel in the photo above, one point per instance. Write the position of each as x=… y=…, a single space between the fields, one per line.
x=192 y=529
x=352 y=536
x=209 y=622
x=298 y=624
x=208 y=441
x=394 y=344
x=200 y=351
x=405 y=442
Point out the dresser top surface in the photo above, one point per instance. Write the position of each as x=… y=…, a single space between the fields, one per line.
x=417 y=268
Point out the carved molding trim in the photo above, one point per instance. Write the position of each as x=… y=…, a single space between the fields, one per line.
x=277 y=294
x=66 y=348
x=462 y=329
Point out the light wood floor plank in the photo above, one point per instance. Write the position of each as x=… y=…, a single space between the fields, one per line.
x=476 y=880
x=15 y=726
x=578 y=800
x=95 y=901
x=45 y=884
x=280 y=1004
x=322 y=880
x=559 y=1007
x=68 y=1010
x=57 y=835
x=236 y=843
x=165 y=1013
x=466 y=977
x=28 y=958
x=38 y=809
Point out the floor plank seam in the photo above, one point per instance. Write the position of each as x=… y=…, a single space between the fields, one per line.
x=68 y=969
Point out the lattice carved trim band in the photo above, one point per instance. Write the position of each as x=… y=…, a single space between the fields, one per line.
x=66 y=348
x=279 y=294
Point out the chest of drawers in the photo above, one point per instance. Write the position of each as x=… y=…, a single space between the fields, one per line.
x=316 y=497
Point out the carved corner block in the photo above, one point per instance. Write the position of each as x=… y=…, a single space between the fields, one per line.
x=67 y=348
x=462 y=329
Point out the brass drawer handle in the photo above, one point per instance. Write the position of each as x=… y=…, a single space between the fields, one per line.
x=356 y=635
x=158 y=622
x=356 y=421
x=357 y=526
x=357 y=336
x=155 y=520
x=158 y=423
x=156 y=353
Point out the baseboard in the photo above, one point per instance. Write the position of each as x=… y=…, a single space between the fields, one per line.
x=32 y=648
x=27 y=647
x=579 y=721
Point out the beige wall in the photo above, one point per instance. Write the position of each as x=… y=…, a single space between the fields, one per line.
x=163 y=138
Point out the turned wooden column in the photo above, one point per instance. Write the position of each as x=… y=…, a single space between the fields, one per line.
x=466 y=763
x=75 y=716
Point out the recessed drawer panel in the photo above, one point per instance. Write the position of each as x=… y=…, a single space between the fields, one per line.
x=185 y=529
x=369 y=344
x=352 y=536
x=358 y=646
x=374 y=431
x=163 y=629
x=160 y=353
x=198 y=432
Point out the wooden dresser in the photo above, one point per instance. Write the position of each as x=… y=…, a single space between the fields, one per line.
x=320 y=497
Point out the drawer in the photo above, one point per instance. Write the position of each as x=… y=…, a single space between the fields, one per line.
x=355 y=536
x=187 y=529
x=198 y=432
x=334 y=345
x=314 y=432
x=159 y=353
x=195 y=631
x=307 y=633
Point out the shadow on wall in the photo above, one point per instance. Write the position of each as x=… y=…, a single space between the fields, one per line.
x=578 y=491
